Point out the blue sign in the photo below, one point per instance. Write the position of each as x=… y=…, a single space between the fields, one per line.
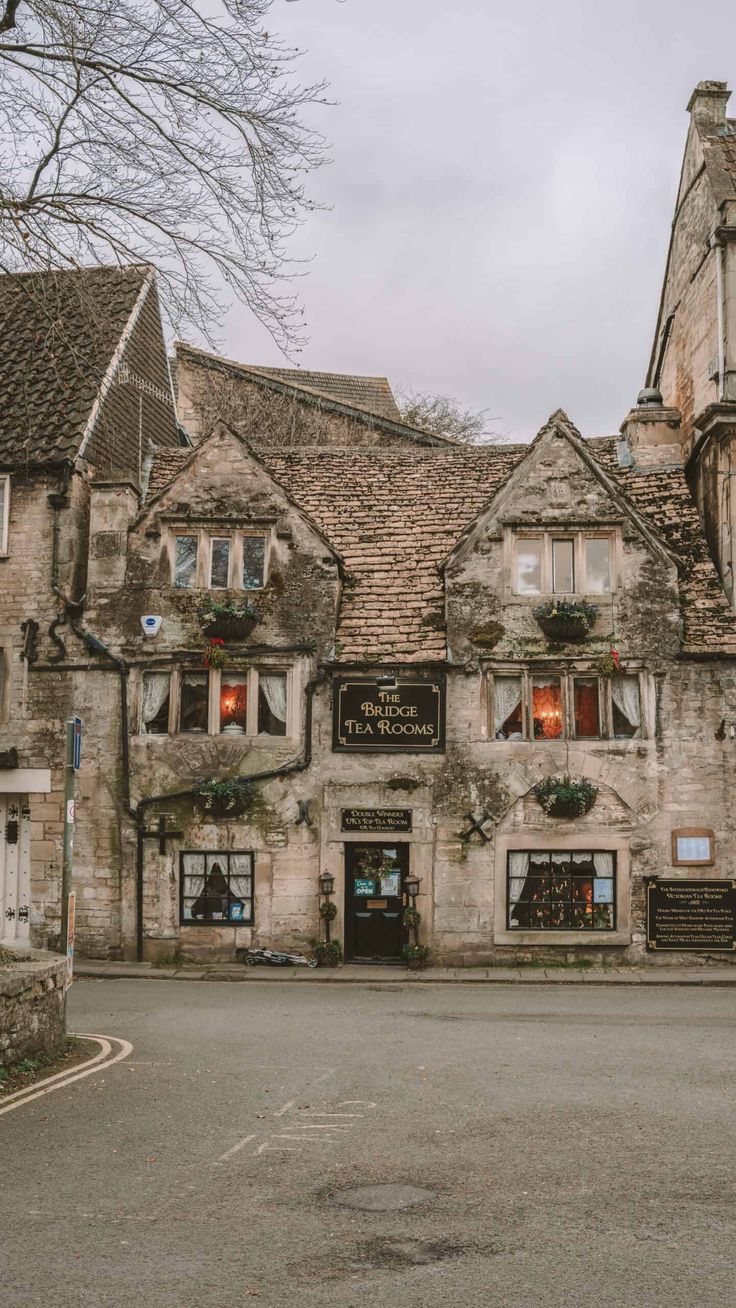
x=77 y=753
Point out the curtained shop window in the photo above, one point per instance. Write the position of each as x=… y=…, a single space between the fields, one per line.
x=246 y=701
x=561 y=890
x=562 y=704
x=216 y=887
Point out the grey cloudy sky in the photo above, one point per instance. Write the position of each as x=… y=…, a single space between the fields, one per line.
x=502 y=185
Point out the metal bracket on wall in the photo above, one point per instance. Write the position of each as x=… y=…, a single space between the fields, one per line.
x=304 y=818
x=476 y=825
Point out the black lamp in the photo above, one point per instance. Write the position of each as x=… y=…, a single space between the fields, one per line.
x=326 y=883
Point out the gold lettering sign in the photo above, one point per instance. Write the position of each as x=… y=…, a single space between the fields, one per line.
x=408 y=715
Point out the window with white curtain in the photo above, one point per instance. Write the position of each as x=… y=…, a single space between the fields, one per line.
x=216 y=887
x=229 y=701
x=561 y=890
x=559 y=703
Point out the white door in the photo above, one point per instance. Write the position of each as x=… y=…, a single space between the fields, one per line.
x=15 y=868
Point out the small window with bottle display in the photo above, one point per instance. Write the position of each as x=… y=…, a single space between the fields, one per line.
x=561 y=890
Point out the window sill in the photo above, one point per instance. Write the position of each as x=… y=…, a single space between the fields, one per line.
x=599 y=939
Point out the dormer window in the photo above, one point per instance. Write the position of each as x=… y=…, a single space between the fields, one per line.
x=563 y=563
x=236 y=560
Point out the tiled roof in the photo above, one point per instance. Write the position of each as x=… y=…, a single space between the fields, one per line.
x=59 y=331
x=396 y=517
x=371 y=393
x=347 y=398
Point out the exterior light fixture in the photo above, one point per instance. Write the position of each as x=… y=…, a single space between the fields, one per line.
x=326 y=883
x=411 y=886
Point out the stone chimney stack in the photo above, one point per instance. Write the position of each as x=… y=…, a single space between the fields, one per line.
x=651 y=434
x=707 y=104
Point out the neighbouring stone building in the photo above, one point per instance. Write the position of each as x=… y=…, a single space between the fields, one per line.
x=305 y=638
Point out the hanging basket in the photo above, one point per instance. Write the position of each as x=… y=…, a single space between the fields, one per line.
x=566 y=621
x=228 y=621
x=562 y=797
x=224 y=799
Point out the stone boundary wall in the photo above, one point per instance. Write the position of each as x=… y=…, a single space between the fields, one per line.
x=32 y=1006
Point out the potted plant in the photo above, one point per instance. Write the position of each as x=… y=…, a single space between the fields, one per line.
x=225 y=799
x=566 y=619
x=415 y=957
x=228 y=621
x=328 y=953
x=565 y=797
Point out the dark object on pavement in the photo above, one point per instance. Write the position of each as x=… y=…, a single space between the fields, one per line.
x=273 y=958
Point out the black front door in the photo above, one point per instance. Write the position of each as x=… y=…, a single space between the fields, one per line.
x=374 y=885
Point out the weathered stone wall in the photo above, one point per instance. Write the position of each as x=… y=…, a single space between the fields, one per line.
x=32 y=1007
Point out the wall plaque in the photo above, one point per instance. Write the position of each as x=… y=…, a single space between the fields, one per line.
x=691 y=915
x=408 y=715
x=376 y=819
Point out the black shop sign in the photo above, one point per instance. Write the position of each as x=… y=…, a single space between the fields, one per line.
x=691 y=915
x=408 y=714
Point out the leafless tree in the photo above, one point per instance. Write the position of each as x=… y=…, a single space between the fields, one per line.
x=444 y=416
x=156 y=131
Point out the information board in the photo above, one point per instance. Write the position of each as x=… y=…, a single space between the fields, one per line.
x=685 y=915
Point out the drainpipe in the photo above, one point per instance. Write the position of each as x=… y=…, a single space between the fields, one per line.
x=716 y=244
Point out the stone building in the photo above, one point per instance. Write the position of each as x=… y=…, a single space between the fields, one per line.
x=305 y=638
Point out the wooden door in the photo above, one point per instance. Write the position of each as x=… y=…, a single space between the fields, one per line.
x=374 y=890
x=15 y=868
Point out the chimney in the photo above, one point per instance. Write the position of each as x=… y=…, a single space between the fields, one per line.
x=707 y=104
x=650 y=434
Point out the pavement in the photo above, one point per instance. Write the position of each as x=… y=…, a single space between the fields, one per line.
x=386 y=975
x=554 y=1146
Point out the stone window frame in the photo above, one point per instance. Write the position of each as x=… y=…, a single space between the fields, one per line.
x=4 y=513
x=253 y=672
x=567 y=673
x=562 y=531
x=219 y=854
x=205 y=535
x=595 y=838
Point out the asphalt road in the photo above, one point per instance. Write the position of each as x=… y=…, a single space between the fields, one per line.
x=580 y=1145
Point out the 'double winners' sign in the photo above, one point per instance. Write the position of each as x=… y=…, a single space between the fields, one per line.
x=408 y=715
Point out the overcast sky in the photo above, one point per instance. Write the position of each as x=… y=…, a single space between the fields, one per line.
x=502 y=185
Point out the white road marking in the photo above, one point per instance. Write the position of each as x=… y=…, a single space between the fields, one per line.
x=237 y=1147
x=280 y=1111
x=61 y=1080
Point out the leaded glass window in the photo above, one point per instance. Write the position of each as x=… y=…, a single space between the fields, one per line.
x=216 y=887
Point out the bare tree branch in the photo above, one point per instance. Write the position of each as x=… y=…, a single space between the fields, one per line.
x=444 y=416
x=148 y=130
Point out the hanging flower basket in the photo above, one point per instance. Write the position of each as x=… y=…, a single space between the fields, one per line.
x=225 y=799
x=609 y=664
x=563 y=797
x=215 y=654
x=228 y=621
x=566 y=619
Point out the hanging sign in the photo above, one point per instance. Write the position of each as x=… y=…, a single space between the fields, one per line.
x=376 y=819
x=408 y=715
x=691 y=915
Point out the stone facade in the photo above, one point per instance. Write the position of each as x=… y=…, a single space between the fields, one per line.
x=400 y=564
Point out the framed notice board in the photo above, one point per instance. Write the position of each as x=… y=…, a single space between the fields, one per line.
x=691 y=915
